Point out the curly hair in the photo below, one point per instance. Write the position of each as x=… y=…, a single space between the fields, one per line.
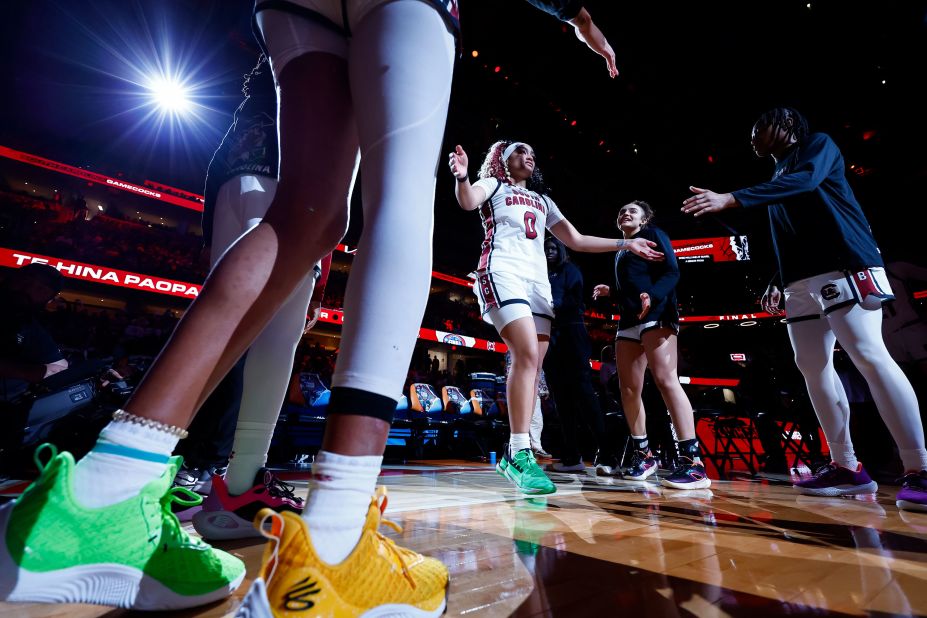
x=494 y=167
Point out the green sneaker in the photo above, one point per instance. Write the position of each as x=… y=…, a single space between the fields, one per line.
x=133 y=554
x=523 y=470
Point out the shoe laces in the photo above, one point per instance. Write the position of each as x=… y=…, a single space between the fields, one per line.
x=403 y=555
x=527 y=455
x=172 y=525
x=637 y=458
x=278 y=489
x=684 y=466
x=40 y=462
x=824 y=470
x=914 y=480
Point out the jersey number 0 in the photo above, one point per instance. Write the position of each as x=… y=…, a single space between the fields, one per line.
x=531 y=230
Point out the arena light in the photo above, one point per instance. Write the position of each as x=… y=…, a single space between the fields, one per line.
x=170 y=95
x=157 y=72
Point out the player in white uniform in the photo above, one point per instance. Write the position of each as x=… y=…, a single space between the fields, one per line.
x=512 y=284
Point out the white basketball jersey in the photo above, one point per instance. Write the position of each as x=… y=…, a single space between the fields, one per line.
x=513 y=222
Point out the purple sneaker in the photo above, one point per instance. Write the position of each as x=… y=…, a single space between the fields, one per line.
x=687 y=475
x=642 y=466
x=834 y=480
x=913 y=494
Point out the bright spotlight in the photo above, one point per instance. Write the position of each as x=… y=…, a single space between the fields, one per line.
x=170 y=95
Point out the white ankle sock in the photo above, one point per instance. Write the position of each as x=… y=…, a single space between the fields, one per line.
x=913 y=459
x=127 y=456
x=518 y=441
x=339 y=495
x=843 y=455
x=249 y=454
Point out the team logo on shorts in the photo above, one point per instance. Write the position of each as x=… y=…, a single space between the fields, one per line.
x=830 y=292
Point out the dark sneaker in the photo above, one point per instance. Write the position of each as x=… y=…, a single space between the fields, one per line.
x=776 y=465
x=606 y=465
x=913 y=494
x=642 y=466
x=834 y=480
x=687 y=475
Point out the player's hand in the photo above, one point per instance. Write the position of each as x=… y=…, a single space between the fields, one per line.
x=705 y=202
x=643 y=248
x=458 y=162
x=771 y=300
x=645 y=306
x=589 y=33
x=600 y=291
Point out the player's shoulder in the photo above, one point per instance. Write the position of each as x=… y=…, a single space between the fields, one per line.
x=820 y=139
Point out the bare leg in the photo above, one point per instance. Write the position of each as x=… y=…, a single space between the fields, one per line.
x=306 y=220
x=632 y=362
x=661 y=351
x=522 y=340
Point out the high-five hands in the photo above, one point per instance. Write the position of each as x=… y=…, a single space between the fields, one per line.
x=705 y=202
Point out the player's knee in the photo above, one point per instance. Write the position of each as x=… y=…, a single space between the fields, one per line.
x=666 y=381
x=630 y=393
x=809 y=361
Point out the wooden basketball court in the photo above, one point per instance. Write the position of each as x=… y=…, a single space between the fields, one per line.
x=603 y=547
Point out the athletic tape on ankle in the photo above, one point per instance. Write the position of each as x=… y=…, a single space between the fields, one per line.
x=109 y=448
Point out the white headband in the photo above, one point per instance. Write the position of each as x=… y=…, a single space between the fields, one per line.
x=510 y=149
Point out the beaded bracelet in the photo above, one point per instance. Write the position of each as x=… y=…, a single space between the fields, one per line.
x=126 y=417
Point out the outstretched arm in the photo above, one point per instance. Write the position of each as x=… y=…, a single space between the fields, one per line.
x=814 y=162
x=586 y=31
x=570 y=236
x=468 y=196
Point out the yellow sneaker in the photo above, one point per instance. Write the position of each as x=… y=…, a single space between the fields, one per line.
x=378 y=578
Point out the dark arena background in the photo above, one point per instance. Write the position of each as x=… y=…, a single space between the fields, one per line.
x=114 y=109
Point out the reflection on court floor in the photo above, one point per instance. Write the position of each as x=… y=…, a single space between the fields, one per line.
x=602 y=546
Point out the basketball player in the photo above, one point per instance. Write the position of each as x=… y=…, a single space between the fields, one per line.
x=512 y=284
x=834 y=284
x=647 y=337
x=240 y=186
x=101 y=531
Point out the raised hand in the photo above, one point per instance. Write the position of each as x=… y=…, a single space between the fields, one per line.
x=458 y=162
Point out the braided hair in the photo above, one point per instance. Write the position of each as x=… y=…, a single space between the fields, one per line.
x=779 y=118
x=494 y=167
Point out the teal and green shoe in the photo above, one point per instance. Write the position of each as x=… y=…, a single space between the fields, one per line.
x=523 y=470
x=133 y=554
